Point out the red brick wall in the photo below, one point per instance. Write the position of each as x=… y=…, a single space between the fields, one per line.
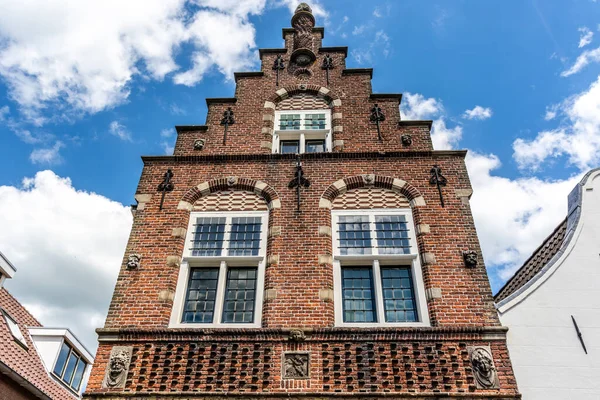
x=427 y=361
x=9 y=390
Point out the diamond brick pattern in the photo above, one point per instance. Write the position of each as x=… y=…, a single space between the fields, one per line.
x=303 y=101
x=231 y=200
x=370 y=198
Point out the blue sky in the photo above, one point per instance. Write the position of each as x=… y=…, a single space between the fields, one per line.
x=86 y=89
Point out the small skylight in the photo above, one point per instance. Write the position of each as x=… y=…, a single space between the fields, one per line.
x=14 y=329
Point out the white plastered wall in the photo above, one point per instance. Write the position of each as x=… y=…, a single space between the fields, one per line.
x=546 y=354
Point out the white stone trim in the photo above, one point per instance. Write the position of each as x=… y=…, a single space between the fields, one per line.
x=324 y=203
x=375 y=261
x=323 y=91
x=269 y=104
x=204 y=188
x=223 y=263
x=282 y=93
x=337 y=103
x=184 y=205
x=417 y=202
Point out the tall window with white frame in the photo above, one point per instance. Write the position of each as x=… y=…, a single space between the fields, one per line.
x=377 y=271
x=221 y=278
x=302 y=132
x=69 y=367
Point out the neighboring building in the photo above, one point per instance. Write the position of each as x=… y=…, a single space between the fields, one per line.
x=552 y=298
x=250 y=275
x=37 y=362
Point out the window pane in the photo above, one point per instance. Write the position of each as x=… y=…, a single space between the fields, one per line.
x=354 y=235
x=358 y=295
x=398 y=294
x=289 y=122
x=62 y=359
x=289 y=146
x=245 y=236
x=208 y=236
x=78 y=374
x=14 y=329
x=314 y=121
x=239 y=295
x=392 y=234
x=199 y=304
x=70 y=369
x=315 y=146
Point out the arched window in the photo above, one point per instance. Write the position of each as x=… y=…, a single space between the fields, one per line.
x=377 y=271
x=302 y=125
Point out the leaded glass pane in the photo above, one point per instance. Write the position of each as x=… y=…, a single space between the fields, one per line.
x=208 y=236
x=245 y=236
x=315 y=146
x=392 y=234
x=358 y=295
x=240 y=295
x=314 y=121
x=354 y=235
x=289 y=122
x=289 y=146
x=201 y=294
x=398 y=294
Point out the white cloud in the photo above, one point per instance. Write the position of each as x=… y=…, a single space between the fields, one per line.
x=478 y=113
x=578 y=138
x=83 y=56
x=377 y=12
x=67 y=246
x=359 y=30
x=49 y=156
x=318 y=9
x=582 y=61
x=120 y=131
x=4 y=111
x=167 y=132
x=416 y=107
x=513 y=216
x=586 y=36
x=444 y=138
x=168 y=144
x=176 y=110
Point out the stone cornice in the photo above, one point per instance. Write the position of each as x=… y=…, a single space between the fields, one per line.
x=191 y=128
x=220 y=100
x=466 y=333
x=249 y=74
x=306 y=157
x=337 y=49
x=357 y=71
x=416 y=122
x=316 y=29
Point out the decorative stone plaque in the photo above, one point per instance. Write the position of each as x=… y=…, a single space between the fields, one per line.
x=295 y=365
x=118 y=366
x=484 y=370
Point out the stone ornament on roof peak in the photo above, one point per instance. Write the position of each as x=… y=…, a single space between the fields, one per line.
x=303 y=7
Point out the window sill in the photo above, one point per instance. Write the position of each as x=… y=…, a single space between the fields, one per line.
x=214 y=326
x=370 y=325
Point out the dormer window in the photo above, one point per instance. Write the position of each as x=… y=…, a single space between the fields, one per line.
x=69 y=367
x=302 y=132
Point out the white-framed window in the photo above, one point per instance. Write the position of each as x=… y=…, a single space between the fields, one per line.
x=302 y=132
x=377 y=272
x=221 y=277
x=14 y=329
x=69 y=367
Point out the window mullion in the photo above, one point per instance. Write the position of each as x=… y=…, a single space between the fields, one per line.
x=302 y=144
x=226 y=237
x=378 y=292
x=220 y=297
x=374 y=245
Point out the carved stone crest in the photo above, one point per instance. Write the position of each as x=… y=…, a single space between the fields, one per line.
x=406 y=140
x=199 y=144
x=232 y=180
x=484 y=370
x=133 y=261
x=368 y=179
x=297 y=335
x=295 y=366
x=470 y=257
x=118 y=366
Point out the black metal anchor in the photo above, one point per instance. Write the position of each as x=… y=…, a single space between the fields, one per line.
x=377 y=117
x=165 y=186
x=227 y=120
x=438 y=179
x=299 y=180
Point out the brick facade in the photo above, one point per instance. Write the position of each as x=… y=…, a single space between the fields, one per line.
x=360 y=172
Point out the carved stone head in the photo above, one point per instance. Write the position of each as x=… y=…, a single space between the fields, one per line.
x=369 y=179
x=118 y=365
x=297 y=335
x=133 y=261
x=484 y=370
x=406 y=140
x=232 y=180
x=470 y=257
x=199 y=144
